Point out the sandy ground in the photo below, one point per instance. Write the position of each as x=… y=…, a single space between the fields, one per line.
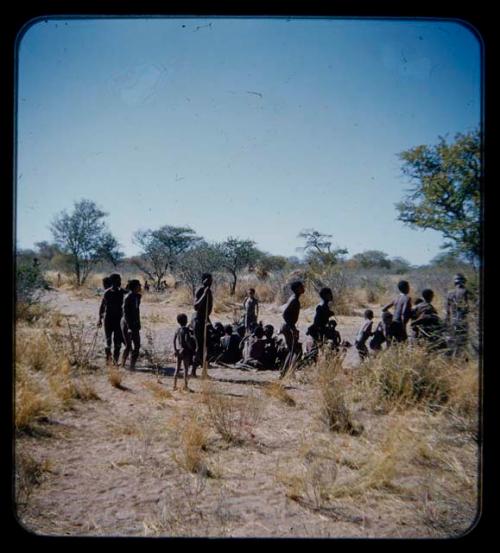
x=113 y=468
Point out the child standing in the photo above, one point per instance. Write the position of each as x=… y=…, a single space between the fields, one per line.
x=184 y=347
x=131 y=322
x=363 y=334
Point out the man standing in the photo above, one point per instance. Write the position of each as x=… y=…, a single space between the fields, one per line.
x=457 y=309
x=203 y=308
x=111 y=309
x=289 y=329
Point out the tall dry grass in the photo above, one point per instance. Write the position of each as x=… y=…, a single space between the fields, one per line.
x=404 y=376
x=234 y=419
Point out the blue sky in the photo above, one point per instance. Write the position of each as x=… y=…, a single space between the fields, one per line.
x=256 y=128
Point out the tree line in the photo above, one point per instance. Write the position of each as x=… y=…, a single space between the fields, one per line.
x=445 y=195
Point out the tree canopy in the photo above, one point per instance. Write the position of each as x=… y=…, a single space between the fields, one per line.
x=84 y=237
x=236 y=255
x=446 y=192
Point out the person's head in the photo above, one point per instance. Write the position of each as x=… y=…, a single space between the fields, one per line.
x=116 y=280
x=182 y=319
x=258 y=332
x=297 y=287
x=219 y=327
x=459 y=279
x=106 y=283
x=241 y=331
x=228 y=329
x=251 y=292
x=386 y=317
x=326 y=294
x=206 y=279
x=404 y=286
x=368 y=314
x=134 y=285
x=332 y=323
x=268 y=331
x=428 y=295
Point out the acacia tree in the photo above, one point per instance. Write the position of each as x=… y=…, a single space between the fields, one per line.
x=161 y=249
x=445 y=193
x=236 y=255
x=83 y=236
x=318 y=248
x=202 y=258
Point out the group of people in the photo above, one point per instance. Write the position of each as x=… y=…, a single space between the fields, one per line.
x=252 y=344
x=450 y=334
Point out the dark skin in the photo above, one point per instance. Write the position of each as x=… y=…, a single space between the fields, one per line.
x=115 y=285
x=207 y=283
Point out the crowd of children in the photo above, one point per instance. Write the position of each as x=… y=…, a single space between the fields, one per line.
x=253 y=345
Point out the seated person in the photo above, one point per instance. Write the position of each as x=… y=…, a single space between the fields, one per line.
x=230 y=344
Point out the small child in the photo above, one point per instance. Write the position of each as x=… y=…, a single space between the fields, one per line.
x=363 y=334
x=131 y=322
x=270 y=348
x=251 y=307
x=184 y=347
x=379 y=336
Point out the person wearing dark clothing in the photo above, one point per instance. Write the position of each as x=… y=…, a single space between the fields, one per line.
x=363 y=334
x=131 y=323
x=111 y=310
x=388 y=328
x=457 y=310
x=378 y=337
x=184 y=348
x=289 y=329
x=203 y=305
x=426 y=323
x=323 y=313
x=230 y=343
x=251 y=307
x=402 y=311
x=270 y=348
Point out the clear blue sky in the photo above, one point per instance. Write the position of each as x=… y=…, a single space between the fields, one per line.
x=256 y=128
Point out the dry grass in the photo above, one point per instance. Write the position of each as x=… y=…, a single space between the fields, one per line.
x=277 y=390
x=115 y=378
x=32 y=401
x=160 y=393
x=29 y=473
x=404 y=376
x=332 y=388
x=234 y=419
x=193 y=440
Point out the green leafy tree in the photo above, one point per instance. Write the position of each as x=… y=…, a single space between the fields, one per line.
x=161 y=249
x=445 y=192
x=202 y=258
x=236 y=255
x=83 y=237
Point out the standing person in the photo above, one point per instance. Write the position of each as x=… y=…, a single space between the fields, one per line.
x=184 y=347
x=131 y=323
x=323 y=313
x=251 y=307
x=146 y=286
x=289 y=329
x=402 y=311
x=203 y=308
x=363 y=334
x=457 y=309
x=111 y=309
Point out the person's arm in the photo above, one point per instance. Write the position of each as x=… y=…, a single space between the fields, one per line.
x=176 y=346
x=388 y=306
x=202 y=295
x=407 y=310
x=257 y=309
x=102 y=309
